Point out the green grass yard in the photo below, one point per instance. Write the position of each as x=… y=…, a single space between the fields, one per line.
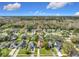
x=5 y=52
x=44 y=52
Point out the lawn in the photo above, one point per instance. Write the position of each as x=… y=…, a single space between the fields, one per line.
x=44 y=52
x=23 y=52
x=5 y=52
x=35 y=54
x=54 y=51
x=19 y=37
x=26 y=52
x=63 y=53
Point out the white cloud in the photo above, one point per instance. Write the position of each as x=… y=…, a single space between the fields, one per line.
x=55 y=5
x=76 y=14
x=57 y=14
x=12 y=6
x=45 y=13
x=39 y=13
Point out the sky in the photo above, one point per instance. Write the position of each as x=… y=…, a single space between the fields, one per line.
x=39 y=8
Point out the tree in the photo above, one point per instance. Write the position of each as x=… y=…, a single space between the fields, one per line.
x=67 y=48
x=35 y=37
x=29 y=27
x=54 y=38
x=75 y=40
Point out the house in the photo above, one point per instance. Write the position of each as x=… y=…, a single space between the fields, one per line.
x=57 y=44
x=14 y=37
x=31 y=45
x=77 y=45
x=12 y=46
x=23 y=44
x=40 y=42
x=24 y=36
x=49 y=44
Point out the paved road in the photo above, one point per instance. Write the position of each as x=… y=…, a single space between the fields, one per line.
x=12 y=52
x=59 y=53
x=53 y=53
x=32 y=51
x=16 y=52
x=32 y=55
x=38 y=52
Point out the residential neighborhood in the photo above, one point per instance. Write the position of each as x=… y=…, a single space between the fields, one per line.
x=31 y=38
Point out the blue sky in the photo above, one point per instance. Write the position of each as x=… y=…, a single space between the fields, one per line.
x=39 y=8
